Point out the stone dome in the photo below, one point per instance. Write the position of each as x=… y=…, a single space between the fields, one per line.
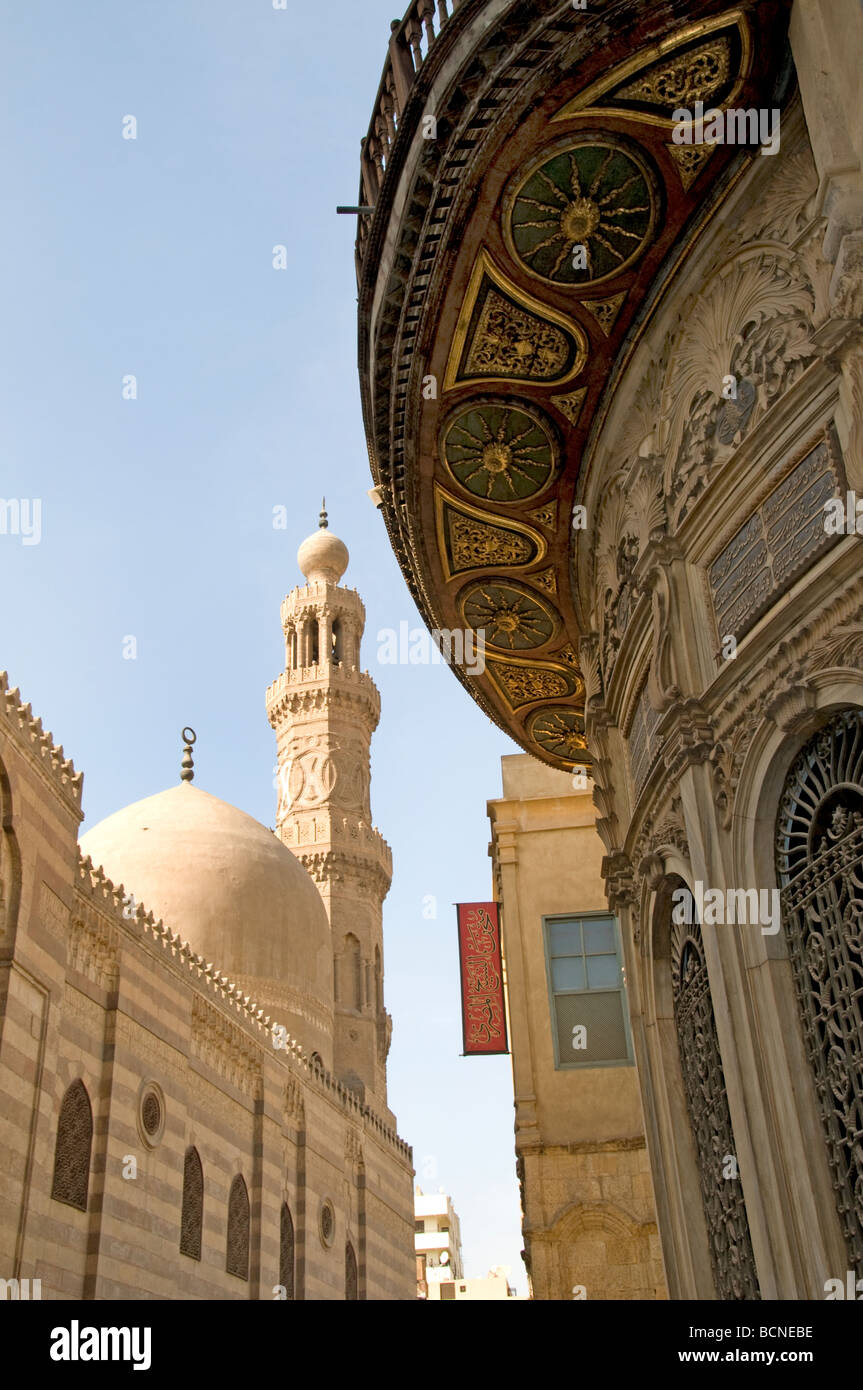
x=322 y=555
x=231 y=889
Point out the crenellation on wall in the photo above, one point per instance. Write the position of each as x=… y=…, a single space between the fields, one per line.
x=100 y=990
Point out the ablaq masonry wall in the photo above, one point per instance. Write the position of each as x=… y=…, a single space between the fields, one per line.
x=154 y=1143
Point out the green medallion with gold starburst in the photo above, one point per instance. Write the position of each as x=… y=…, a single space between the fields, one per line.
x=583 y=215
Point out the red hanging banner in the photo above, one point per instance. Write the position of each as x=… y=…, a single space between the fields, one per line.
x=483 y=1012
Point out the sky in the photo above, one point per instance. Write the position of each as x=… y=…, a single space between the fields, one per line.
x=152 y=258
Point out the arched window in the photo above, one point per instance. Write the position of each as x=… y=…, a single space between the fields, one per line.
x=192 y=1218
x=286 y=1251
x=337 y=642
x=734 y=1272
x=72 y=1151
x=819 y=862
x=313 y=641
x=237 y=1261
x=352 y=1287
x=379 y=992
x=353 y=973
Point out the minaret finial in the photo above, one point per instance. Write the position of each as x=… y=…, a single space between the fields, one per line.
x=187 y=768
x=322 y=520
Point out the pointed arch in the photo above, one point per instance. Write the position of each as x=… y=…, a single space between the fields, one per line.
x=192 y=1215
x=73 y=1148
x=819 y=864
x=239 y=1222
x=734 y=1273
x=352 y=1284
x=286 y=1252
x=352 y=973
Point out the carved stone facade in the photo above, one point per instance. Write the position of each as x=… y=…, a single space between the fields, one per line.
x=717 y=617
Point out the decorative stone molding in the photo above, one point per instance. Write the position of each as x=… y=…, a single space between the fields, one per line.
x=27 y=731
x=94 y=948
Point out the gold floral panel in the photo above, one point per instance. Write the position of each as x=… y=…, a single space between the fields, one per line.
x=708 y=61
x=469 y=540
x=524 y=682
x=504 y=335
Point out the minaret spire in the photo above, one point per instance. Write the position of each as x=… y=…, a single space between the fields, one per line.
x=324 y=709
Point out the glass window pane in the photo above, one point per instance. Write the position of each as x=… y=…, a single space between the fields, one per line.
x=567 y=973
x=565 y=938
x=603 y=972
x=599 y=936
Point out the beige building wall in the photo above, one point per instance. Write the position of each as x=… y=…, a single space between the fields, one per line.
x=125 y=1006
x=588 y=1213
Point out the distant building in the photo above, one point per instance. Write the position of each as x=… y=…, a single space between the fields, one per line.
x=495 y=1285
x=437 y=1240
x=588 y=1213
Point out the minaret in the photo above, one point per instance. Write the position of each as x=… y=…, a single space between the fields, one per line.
x=324 y=710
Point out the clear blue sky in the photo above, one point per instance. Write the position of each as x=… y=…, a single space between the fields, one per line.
x=154 y=257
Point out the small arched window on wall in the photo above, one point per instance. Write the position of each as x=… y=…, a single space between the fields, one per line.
x=337 y=644
x=72 y=1150
x=379 y=992
x=237 y=1260
x=353 y=973
x=192 y=1217
x=352 y=1283
x=732 y=1259
x=819 y=864
x=312 y=638
x=286 y=1252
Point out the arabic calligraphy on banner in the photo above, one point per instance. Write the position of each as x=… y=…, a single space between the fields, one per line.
x=483 y=1012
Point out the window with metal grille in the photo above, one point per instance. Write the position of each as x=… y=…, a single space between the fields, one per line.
x=588 y=1004
x=352 y=1292
x=286 y=1251
x=237 y=1261
x=819 y=862
x=192 y=1217
x=734 y=1273
x=72 y=1151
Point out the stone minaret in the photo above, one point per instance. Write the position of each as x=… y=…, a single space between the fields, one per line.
x=324 y=710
